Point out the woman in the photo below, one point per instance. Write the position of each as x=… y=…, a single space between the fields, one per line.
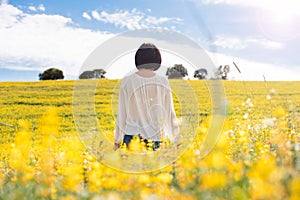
x=145 y=107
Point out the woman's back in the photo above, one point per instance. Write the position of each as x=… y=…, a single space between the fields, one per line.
x=148 y=106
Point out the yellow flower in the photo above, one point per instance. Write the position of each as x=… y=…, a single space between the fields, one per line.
x=279 y=112
x=164 y=178
x=68 y=197
x=216 y=159
x=136 y=145
x=294 y=188
x=214 y=180
x=144 y=179
x=236 y=170
x=260 y=189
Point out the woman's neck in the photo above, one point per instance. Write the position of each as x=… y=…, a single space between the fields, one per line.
x=146 y=72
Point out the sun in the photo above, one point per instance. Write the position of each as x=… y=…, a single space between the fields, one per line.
x=279 y=20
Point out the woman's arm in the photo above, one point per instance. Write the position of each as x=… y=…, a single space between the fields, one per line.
x=172 y=128
x=119 y=131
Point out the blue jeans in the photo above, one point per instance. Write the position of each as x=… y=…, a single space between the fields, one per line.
x=128 y=138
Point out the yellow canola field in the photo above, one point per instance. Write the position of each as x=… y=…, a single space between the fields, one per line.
x=256 y=157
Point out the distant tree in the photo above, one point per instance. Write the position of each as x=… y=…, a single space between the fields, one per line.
x=99 y=73
x=222 y=72
x=200 y=73
x=95 y=74
x=178 y=71
x=86 y=75
x=51 y=74
x=226 y=70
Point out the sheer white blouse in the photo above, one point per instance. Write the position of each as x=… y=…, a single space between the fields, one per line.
x=145 y=107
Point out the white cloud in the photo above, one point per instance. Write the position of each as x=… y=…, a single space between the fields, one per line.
x=96 y=15
x=132 y=20
x=41 y=7
x=229 y=43
x=161 y=20
x=8 y=16
x=242 y=43
x=32 y=8
x=39 y=41
x=86 y=16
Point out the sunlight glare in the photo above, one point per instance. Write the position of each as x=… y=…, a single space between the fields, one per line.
x=279 y=19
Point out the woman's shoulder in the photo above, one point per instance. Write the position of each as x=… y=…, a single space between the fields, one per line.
x=125 y=80
x=164 y=79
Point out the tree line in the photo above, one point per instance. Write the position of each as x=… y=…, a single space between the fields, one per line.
x=178 y=71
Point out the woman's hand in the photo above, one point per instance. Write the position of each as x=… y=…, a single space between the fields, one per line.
x=116 y=146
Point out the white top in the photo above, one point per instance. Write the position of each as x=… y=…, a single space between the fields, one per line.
x=146 y=108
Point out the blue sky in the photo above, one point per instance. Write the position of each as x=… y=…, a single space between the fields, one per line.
x=261 y=36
